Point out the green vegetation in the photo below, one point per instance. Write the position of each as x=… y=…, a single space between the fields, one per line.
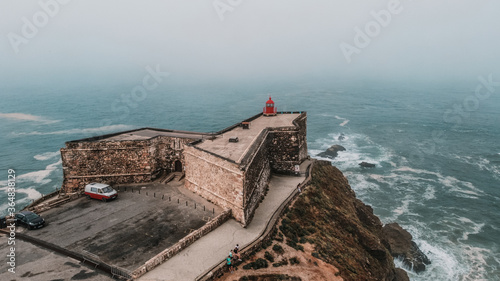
x=294 y=261
x=259 y=263
x=266 y=244
x=269 y=256
x=278 y=237
x=278 y=249
x=283 y=261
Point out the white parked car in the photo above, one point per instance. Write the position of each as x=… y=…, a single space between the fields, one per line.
x=100 y=191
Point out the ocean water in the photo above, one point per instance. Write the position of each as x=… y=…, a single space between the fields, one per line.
x=435 y=147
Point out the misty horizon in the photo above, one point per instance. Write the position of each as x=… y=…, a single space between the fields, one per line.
x=247 y=40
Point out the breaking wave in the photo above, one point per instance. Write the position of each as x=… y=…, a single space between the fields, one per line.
x=401 y=193
x=42 y=176
x=46 y=156
x=345 y=121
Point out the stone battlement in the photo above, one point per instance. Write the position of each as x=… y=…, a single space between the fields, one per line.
x=234 y=175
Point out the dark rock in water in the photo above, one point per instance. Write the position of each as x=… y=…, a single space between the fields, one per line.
x=399 y=243
x=332 y=152
x=341 y=137
x=401 y=275
x=367 y=165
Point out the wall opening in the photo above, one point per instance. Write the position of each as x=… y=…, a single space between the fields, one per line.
x=178 y=166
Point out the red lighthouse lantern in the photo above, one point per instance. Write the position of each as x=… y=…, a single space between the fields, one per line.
x=269 y=110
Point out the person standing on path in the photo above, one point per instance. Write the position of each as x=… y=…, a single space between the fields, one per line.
x=236 y=252
x=229 y=264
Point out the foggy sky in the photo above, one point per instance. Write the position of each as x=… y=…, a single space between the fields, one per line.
x=266 y=39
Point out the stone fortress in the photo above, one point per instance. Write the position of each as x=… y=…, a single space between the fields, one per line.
x=230 y=168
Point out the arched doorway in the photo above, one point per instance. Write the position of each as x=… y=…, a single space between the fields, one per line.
x=178 y=166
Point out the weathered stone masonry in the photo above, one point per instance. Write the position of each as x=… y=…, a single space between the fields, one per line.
x=241 y=186
x=288 y=146
x=103 y=159
x=237 y=184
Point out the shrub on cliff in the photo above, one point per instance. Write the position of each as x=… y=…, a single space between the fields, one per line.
x=259 y=263
x=269 y=256
x=278 y=249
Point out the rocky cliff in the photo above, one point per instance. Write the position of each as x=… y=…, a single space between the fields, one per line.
x=326 y=234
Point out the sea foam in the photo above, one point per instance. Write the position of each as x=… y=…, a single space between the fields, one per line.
x=46 y=156
x=40 y=177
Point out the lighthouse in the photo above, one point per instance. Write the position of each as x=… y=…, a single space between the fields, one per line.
x=269 y=109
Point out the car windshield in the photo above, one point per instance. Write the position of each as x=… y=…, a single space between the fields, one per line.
x=107 y=189
x=31 y=216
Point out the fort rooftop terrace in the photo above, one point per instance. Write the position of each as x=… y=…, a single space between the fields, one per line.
x=235 y=151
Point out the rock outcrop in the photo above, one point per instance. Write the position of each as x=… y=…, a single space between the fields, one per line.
x=400 y=245
x=332 y=152
x=344 y=231
x=328 y=226
x=366 y=165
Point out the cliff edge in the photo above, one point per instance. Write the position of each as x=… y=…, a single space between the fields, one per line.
x=326 y=234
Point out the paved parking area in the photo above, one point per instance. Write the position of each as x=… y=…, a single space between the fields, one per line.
x=36 y=263
x=130 y=230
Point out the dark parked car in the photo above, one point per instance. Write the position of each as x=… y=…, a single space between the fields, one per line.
x=29 y=219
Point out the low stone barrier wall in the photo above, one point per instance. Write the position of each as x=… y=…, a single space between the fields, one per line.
x=218 y=270
x=96 y=263
x=182 y=244
x=49 y=201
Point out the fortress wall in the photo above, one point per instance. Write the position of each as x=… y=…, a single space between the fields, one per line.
x=256 y=179
x=301 y=123
x=110 y=162
x=215 y=179
x=284 y=152
x=288 y=146
x=118 y=162
x=166 y=150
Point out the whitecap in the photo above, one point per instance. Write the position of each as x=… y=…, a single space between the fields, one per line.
x=454 y=184
x=360 y=184
x=400 y=210
x=325 y=115
x=478 y=266
x=98 y=130
x=345 y=121
x=32 y=193
x=481 y=163
x=46 y=156
x=475 y=228
x=40 y=177
x=430 y=193
x=27 y=117
x=444 y=266
x=417 y=171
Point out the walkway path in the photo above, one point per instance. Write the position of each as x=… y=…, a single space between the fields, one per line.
x=215 y=246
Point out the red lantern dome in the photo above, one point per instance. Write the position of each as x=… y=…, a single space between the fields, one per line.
x=269 y=109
